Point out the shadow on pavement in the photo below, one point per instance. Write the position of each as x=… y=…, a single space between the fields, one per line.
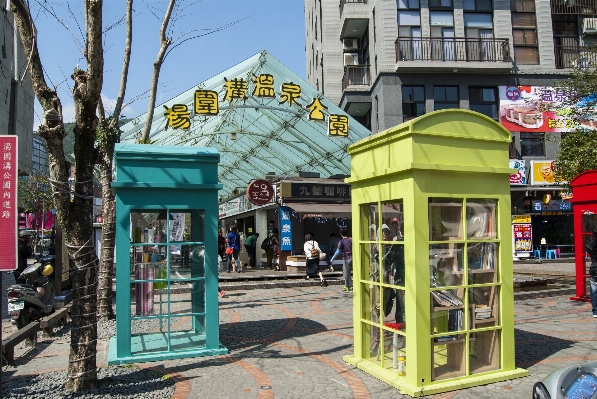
x=531 y=348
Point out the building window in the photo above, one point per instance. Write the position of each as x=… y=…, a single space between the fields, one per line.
x=408 y=4
x=445 y=97
x=413 y=102
x=435 y=4
x=524 y=32
x=476 y=5
x=484 y=101
x=532 y=144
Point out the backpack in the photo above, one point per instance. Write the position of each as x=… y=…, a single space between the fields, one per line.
x=266 y=244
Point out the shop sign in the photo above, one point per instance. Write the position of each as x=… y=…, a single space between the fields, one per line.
x=518 y=179
x=207 y=103
x=285 y=229
x=232 y=207
x=539 y=109
x=523 y=237
x=554 y=205
x=315 y=191
x=260 y=192
x=542 y=172
x=10 y=213
x=521 y=218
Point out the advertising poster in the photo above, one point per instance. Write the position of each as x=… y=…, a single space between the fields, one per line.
x=518 y=179
x=10 y=213
x=542 y=172
x=539 y=109
x=523 y=237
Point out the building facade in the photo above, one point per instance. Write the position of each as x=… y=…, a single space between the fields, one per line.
x=16 y=105
x=387 y=61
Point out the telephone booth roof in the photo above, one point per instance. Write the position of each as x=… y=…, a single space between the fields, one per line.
x=583 y=186
x=451 y=140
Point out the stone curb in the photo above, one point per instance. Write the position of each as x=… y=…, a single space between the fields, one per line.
x=544 y=293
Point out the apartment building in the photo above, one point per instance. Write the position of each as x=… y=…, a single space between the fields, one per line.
x=387 y=61
x=16 y=99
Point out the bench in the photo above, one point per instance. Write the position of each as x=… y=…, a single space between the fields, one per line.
x=28 y=332
x=47 y=323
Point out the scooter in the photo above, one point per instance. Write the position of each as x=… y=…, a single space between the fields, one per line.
x=578 y=381
x=33 y=300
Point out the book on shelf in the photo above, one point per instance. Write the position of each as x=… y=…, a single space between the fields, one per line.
x=446 y=338
x=446 y=298
x=482 y=312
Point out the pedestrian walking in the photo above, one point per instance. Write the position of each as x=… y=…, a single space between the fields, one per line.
x=312 y=252
x=25 y=251
x=250 y=244
x=345 y=247
x=592 y=251
x=272 y=240
x=334 y=240
x=232 y=249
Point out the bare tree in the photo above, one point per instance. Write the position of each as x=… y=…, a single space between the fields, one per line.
x=155 y=76
x=108 y=134
x=74 y=216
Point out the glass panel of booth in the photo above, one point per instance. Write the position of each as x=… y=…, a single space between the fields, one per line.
x=588 y=221
x=168 y=279
x=464 y=312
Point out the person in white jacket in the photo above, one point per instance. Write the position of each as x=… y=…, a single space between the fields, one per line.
x=312 y=252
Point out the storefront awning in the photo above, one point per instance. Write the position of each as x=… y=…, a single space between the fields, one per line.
x=321 y=210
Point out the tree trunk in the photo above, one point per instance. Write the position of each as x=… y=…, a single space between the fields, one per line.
x=108 y=137
x=74 y=216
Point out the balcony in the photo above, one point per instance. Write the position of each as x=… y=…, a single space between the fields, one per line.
x=442 y=53
x=585 y=7
x=574 y=57
x=356 y=75
x=343 y=2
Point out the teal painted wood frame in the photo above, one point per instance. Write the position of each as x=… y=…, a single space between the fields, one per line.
x=151 y=179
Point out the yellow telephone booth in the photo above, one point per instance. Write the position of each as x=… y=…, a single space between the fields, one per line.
x=432 y=247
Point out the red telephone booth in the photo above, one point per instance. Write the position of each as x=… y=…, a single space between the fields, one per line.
x=584 y=206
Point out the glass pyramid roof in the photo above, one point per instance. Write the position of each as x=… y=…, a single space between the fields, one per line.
x=256 y=135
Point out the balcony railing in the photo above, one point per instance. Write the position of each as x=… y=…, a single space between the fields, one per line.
x=342 y=2
x=356 y=75
x=452 y=49
x=575 y=57
x=585 y=7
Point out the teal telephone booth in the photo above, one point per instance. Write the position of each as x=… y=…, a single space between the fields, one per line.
x=166 y=253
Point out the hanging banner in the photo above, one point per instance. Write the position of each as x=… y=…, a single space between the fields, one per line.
x=285 y=229
x=10 y=214
x=542 y=172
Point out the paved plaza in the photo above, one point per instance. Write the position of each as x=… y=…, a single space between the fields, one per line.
x=289 y=343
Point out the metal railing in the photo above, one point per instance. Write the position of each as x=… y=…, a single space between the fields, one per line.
x=356 y=75
x=575 y=57
x=585 y=7
x=452 y=49
x=342 y=2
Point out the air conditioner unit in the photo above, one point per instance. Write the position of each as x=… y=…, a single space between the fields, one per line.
x=351 y=59
x=350 y=44
x=589 y=26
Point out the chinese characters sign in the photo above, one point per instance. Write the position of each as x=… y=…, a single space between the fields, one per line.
x=315 y=191
x=260 y=192
x=206 y=102
x=285 y=229
x=8 y=207
x=519 y=110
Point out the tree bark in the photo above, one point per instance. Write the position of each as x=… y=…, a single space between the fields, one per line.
x=75 y=217
x=108 y=137
x=155 y=76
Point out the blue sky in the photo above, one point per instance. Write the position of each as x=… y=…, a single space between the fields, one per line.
x=277 y=26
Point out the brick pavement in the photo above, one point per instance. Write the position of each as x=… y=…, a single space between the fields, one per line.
x=289 y=343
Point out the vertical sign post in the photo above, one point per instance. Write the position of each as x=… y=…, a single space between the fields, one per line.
x=9 y=214
x=285 y=229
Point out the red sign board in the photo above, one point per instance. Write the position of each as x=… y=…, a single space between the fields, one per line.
x=9 y=214
x=260 y=192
